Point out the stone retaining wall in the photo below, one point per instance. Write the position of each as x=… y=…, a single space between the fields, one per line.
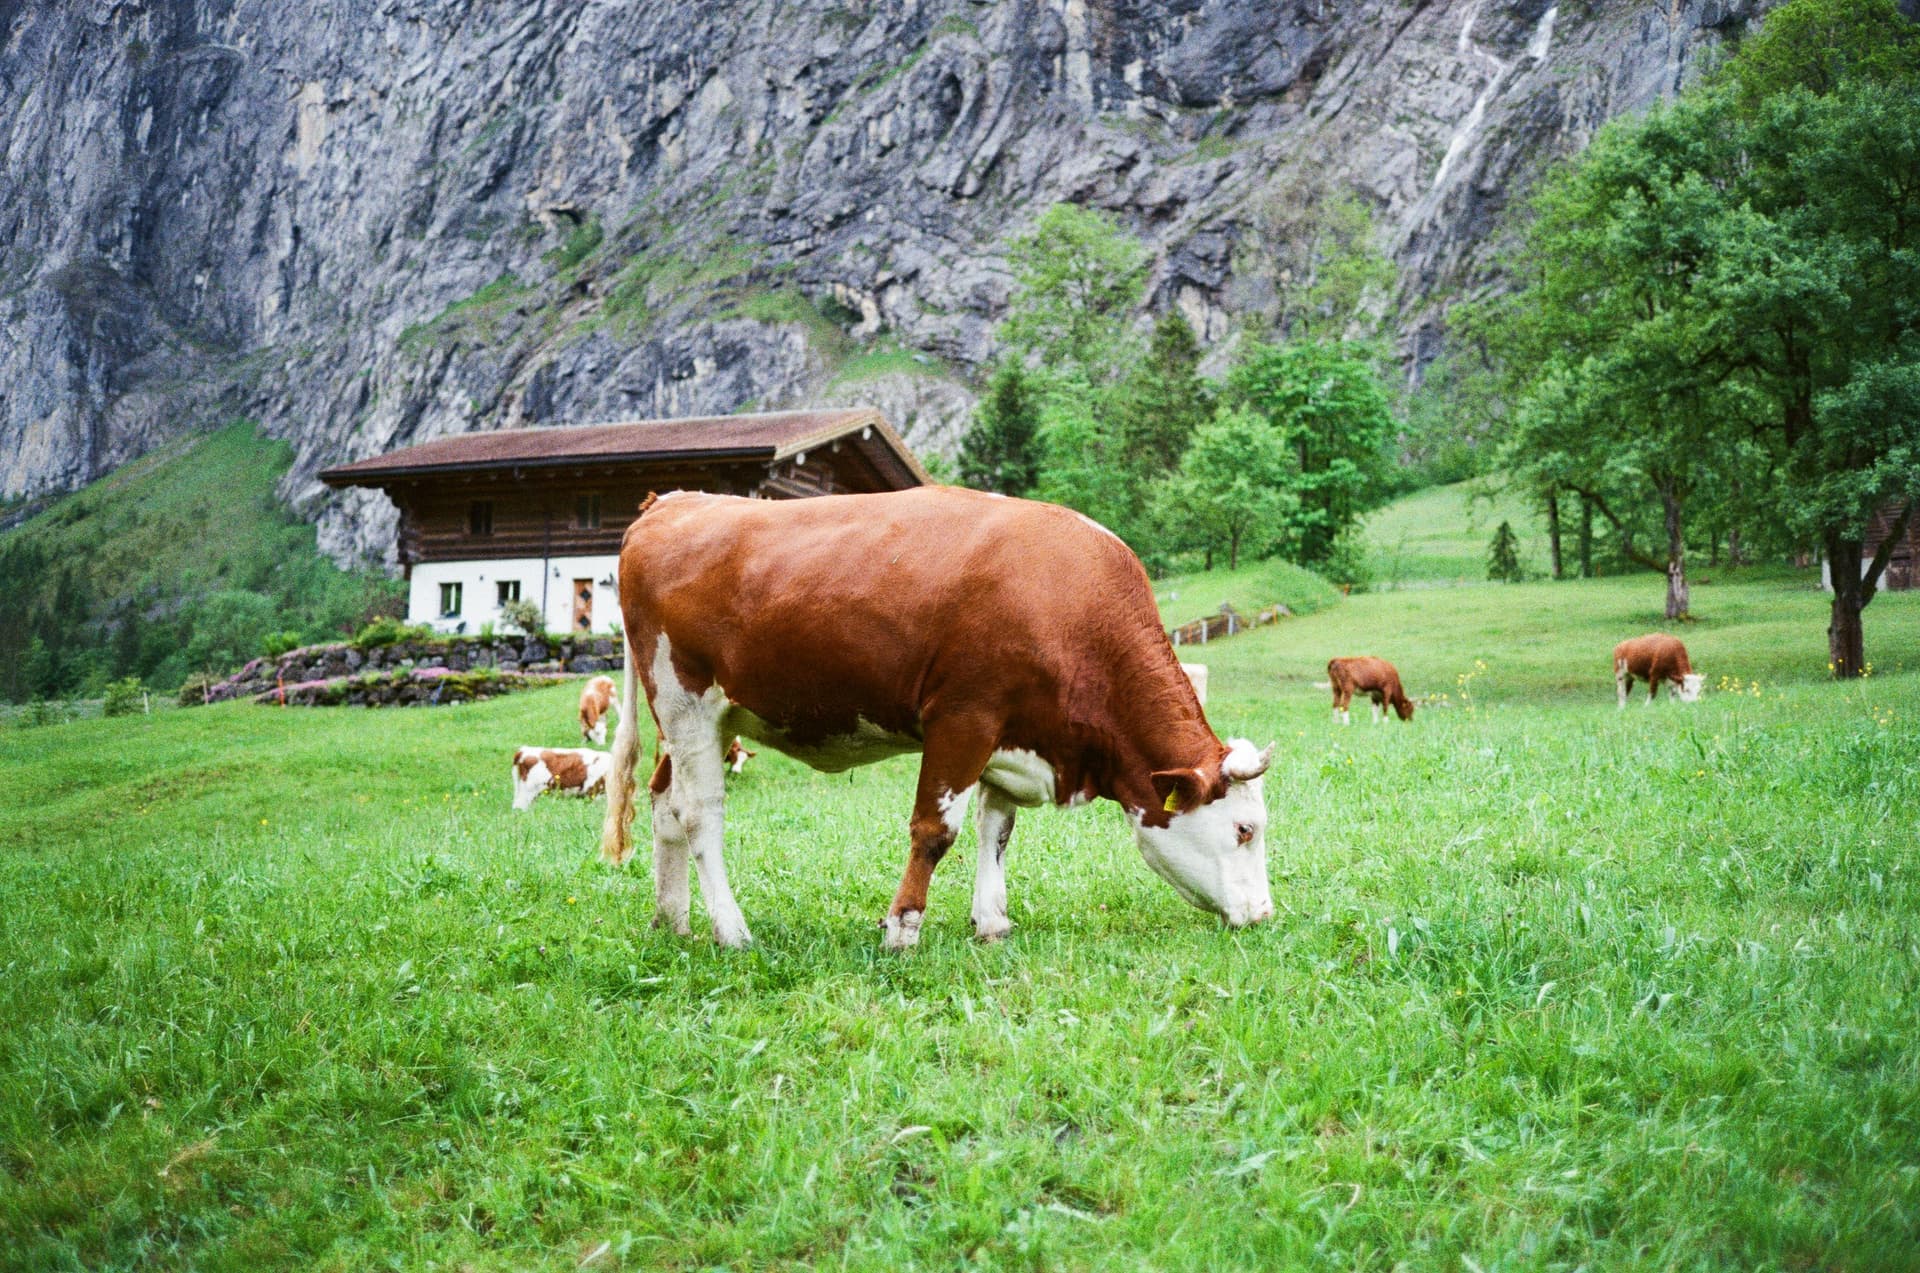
x=505 y=656
x=404 y=687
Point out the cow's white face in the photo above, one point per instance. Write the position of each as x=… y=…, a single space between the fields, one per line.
x=1215 y=854
x=598 y=734
x=527 y=789
x=1689 y=687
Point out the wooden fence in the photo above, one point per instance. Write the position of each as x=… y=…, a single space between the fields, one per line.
x=1226 y=623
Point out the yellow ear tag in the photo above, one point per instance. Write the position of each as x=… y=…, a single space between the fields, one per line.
x=1173 y=802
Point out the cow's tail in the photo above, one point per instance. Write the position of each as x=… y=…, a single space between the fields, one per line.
x=616 y=837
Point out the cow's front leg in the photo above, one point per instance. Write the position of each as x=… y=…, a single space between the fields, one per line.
x=1621 y=685
x=949 y=771
x=994 y=820
x=672 y=898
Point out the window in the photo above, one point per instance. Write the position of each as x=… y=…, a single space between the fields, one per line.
x=449 y=601
x=509 y=591
x=586 y=512
x=480 y=517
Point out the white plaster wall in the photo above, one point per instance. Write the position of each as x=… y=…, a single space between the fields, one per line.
x=478 y=604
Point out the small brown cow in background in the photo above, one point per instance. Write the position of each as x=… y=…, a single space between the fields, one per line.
x=596 y=702
x=1376 y=678
x=1654 y=658
x=738 y=755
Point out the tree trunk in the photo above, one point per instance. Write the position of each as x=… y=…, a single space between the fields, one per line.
x=1586 y=538
x=1676 y=558
x=1553 y=531
x=1736 y=556
x=1233 y=551
x=1846 y=639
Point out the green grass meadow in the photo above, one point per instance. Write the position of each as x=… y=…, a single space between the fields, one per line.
x=1550 y=986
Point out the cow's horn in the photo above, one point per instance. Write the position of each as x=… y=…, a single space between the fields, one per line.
x=1239 y=767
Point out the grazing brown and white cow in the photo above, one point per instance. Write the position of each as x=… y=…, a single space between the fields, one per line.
x=1014 y=645
x=1375 y=678
x=1654 y=658
x=596 y=700
x=737 y=755
x=565 y=771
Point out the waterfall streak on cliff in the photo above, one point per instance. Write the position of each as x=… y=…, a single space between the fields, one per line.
x=1537 y=46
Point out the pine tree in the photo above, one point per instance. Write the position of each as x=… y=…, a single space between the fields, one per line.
x=1002 y=451
x=1166 y=398
x=1503 y=555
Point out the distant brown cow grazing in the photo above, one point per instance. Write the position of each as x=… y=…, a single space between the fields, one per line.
x=1654 y=658
x=1376 y=678
x=596 y=700
x=1015 y=645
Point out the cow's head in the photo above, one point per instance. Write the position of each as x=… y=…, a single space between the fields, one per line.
x=595 y=733
x=1689 y=689
x=1214 y=848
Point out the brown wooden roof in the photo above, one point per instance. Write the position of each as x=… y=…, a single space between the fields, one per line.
x=769 y=436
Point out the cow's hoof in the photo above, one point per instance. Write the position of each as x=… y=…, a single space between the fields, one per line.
x=732 y=938
x=992 y=930
x=678 y=923
x=902 y=931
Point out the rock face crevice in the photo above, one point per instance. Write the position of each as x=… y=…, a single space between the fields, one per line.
x=371 y=222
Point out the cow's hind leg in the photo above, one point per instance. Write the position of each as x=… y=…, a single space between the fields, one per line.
x=950 y=769
x=1622 y=682
x=672 y=894
x=994 y=820
x=696 y=790
x=1379 y=709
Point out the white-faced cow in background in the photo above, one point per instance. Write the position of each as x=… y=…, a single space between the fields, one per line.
x=596 y=700
x=738 y=755
x=1378 y=679
x=1014 y=645
x=1654 y=658
x=1197 y=673
x=565 y=771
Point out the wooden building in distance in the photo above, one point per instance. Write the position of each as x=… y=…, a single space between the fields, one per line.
x=537 y=514
x=1903 y=563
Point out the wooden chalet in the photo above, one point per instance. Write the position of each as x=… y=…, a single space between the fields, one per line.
x=537 y=514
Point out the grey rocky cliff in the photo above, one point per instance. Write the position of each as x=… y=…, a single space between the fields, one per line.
x=373 y=222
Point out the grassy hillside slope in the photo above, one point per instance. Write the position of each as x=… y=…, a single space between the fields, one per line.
x=181 y=560
x=1442 y=534
x=1550 y=985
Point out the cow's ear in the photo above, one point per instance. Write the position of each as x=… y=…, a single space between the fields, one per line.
x=1180 y=789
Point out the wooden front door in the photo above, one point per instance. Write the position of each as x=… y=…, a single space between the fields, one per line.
x=583 y=605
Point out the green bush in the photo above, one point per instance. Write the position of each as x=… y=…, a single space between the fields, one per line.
x=525 y=616
x=282 y=642
x=41 y=711
x=125 y=697
x=193 y=690
x=387 y=630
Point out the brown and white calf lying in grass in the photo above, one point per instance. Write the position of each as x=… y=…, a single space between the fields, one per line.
x=1375 y=678
x=565 y=771
x=1654 y=658
x=597 y=701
